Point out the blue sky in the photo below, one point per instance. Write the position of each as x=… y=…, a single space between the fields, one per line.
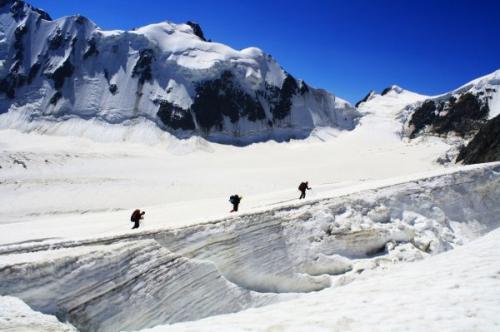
x=347 y=46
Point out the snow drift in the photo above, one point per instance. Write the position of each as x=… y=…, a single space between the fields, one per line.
x=141 y=280
x=52 y=71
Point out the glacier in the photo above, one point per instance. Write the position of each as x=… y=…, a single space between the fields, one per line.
x=155 y=277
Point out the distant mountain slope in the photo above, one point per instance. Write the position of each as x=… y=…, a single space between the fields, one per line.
x=391 y=101
x=467 y=114
x=55 y=70
x=462 y=111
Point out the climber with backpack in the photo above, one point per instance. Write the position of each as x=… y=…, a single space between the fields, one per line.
x=302 y=188
x=235 y=200
x=136 y=217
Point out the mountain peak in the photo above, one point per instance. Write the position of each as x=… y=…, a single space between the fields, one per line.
x=196 y=29
x=369 y=96
x=18 y=8
x=395 y=88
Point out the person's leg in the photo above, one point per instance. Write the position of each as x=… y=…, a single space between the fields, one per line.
x=136 y=224
x=302 y=194
x=236 y=207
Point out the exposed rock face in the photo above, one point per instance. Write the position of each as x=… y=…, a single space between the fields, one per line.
x=365 y=98
x=163 y=73
x=196 y=29
x=142 y=68
x=485 y=146
x=175 y=117
x=222 y=97
x=467 y=116
x=463 y=116
x=91 y=50
x=281 y=108
x=61 y=74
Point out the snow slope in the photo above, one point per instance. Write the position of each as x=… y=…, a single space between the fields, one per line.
x=139 y=280
x=58 y=75
x=71 y=187
x=392 y=100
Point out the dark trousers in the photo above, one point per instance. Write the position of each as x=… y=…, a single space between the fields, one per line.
x=136 y=224
x=302 y=194
x=235 y=207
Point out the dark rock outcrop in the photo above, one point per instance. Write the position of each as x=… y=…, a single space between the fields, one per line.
x=61 y=73
x=463 y=116
x=56 y=40
x=17 y=8
x=55 y=98
x=365 y=98
x=223 y=97
x=196 y=29
x=113 y=88
x=485 y=146
x=142 y=68
x=33 y=72
x=43 y=14
x=282 y=107
x=386 y=91
x=304 y=88
x=19 y=34
x=175 y=117
x=91 y=49
x=9 y=84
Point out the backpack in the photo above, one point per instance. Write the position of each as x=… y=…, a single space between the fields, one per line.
x=233 y=199
x=302 y=186
x=136 y=215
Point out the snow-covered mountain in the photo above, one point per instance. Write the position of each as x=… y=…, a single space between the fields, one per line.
x=469 y=116
x=52 y=71
x=462 y=111
x=392 y=101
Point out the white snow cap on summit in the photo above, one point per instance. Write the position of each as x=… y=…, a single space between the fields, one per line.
x=393 y=88
x=183 y=46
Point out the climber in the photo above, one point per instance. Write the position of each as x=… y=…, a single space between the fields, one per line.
x=302 y=188
x=136 y=216
x=235 y=200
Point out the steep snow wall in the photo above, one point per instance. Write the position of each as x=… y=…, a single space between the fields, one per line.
x=150 y=278
x=52 y=71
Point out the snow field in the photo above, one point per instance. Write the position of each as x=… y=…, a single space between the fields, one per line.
x=136 y=281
